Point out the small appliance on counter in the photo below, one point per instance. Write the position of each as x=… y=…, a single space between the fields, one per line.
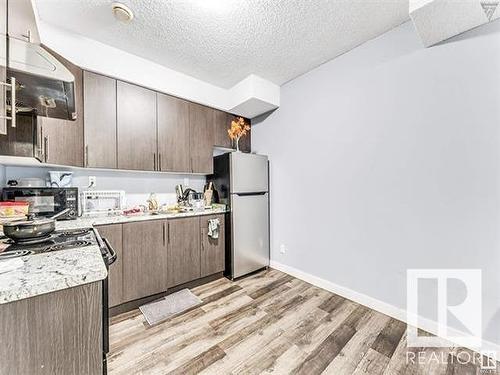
x=45 y=201
x=102 y=202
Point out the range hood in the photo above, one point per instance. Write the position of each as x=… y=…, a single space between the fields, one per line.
x=43 y=84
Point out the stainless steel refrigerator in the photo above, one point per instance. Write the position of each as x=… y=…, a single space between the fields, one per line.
x=242 y=181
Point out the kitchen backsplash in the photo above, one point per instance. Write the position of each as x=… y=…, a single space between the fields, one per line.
x=137 y=185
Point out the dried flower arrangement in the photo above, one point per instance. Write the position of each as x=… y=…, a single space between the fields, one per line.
x=239 y=128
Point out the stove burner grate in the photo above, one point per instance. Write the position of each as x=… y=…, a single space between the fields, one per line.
x=74 y=232
x=68 y=245
x=32 y=241
x=14 y=254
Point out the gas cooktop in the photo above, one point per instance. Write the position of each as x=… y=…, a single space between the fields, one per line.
x=58 y=240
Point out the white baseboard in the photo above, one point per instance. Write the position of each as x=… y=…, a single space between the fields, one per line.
x=378 y=305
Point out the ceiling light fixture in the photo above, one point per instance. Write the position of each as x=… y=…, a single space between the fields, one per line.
x=122 y=12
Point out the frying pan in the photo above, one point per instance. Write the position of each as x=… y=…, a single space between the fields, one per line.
x=23 y=230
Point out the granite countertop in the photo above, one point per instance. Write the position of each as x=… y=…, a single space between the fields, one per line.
x=57 y=270
x=88 y=222
x=52 y=271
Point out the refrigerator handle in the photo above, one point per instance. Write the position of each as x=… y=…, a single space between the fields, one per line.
x=249 y=194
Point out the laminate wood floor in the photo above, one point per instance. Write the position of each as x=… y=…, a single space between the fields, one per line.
x=273 y=323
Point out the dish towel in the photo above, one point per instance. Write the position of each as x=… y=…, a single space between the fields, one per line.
x=213 y=228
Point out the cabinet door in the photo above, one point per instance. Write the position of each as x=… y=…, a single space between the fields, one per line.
x=201 y=138
x=183 y=250
x=60 y=333
x=212 y=250
x=144 y=259
x=222 y=122
x=62 y=140
x=173 y=134
x=4 y=123
x=99 y=121
x=19 y=140
x=136 y=127
x=113 y=233
x=246 y=141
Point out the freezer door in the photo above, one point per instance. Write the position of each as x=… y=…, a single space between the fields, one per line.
x=250 y=233
x=249 y=173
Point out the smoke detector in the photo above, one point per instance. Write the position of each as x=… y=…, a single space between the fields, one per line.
x=122 y=12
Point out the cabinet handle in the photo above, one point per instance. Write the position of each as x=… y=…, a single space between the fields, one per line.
x=201 y=240
x=154 y=161
x=159 y=161
x=163 y=230
x=39 y=142
x=13 y=111
x=46 y=147
x=13 y=102
x=86 y=155
x=168 y=232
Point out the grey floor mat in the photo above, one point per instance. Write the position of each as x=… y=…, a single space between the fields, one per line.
x=169 y=306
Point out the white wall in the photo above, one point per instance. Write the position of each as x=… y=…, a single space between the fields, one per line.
x=388 y=158
x=137 y=185
x=98 y=57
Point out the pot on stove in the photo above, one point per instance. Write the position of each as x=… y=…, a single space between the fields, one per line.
x=22 y=230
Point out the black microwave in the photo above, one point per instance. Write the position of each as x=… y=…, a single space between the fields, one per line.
x=45 y=201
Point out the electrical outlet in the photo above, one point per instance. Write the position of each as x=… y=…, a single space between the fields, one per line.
x=282 y=249
x=92 y=181
x=186 y=181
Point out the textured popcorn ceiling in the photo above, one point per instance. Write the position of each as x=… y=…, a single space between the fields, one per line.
x=223 y=41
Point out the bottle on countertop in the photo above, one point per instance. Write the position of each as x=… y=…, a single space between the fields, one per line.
x=208 y=193
x=153 y=203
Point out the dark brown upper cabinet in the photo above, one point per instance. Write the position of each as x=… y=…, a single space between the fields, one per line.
x=246 y=141
x=20 y=141
x=100 y=121
x=61 y=141
x=173 y=134
x=136 y=127
x=201 y=138
x=222 y=122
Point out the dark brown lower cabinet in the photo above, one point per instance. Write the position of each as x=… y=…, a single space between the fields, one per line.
x=155 y=255
x=183 y=250
x=144 y=258
x=212 y=250
x=54 y=333
x=113 y=233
